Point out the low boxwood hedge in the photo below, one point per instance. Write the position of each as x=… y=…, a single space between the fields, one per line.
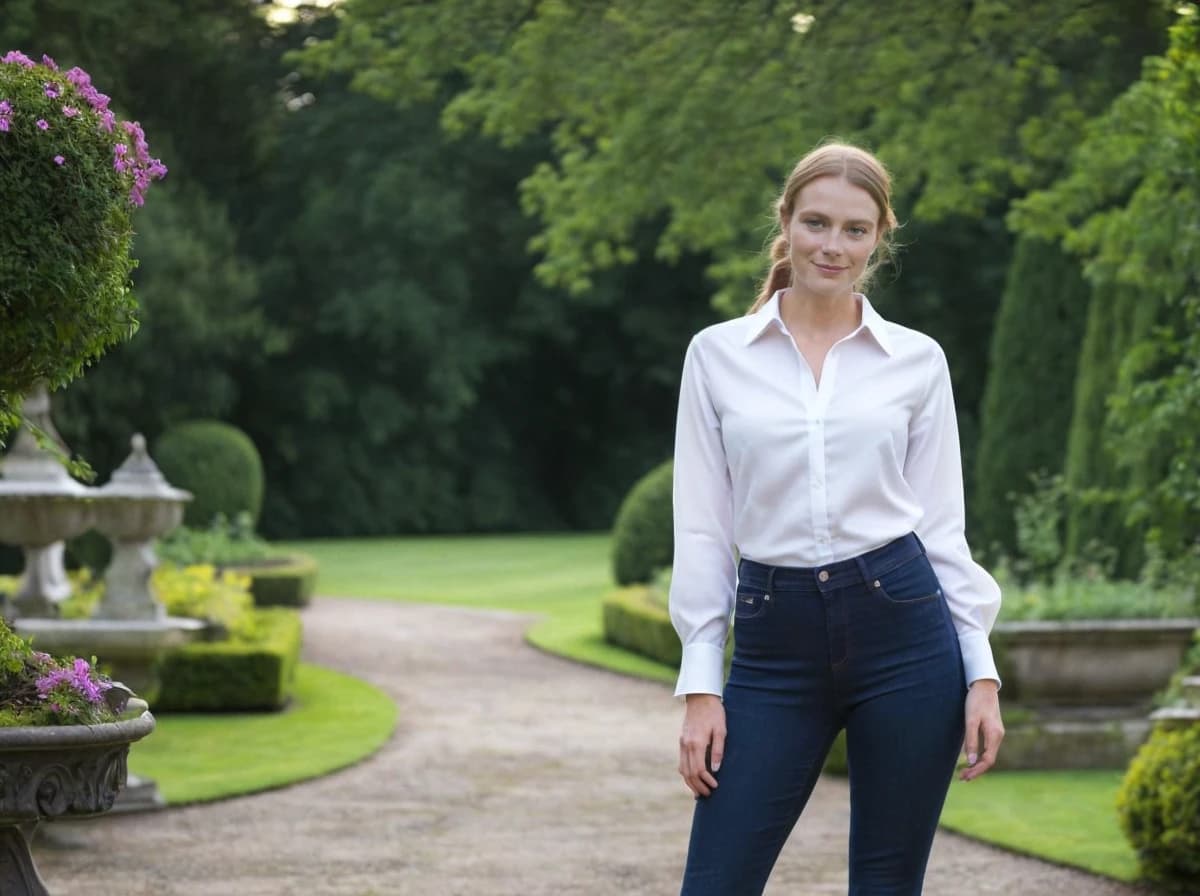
x=635 y=620
x=282 y=582
x=253 y=671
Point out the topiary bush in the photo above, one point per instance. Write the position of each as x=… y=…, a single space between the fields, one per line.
x=71 y=174
x=218 y=464
x=1159 y=807
x=643 y=534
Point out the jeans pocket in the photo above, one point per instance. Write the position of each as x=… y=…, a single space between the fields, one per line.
x=750 y=604
x=912 y=582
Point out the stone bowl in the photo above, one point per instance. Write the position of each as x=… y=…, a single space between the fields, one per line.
x=58 y=771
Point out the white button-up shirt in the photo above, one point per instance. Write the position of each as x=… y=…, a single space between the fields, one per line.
x=790 y=473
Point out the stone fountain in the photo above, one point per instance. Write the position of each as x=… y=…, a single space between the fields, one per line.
x=40 y=507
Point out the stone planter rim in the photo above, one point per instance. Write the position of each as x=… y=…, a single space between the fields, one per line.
x=1097 y=625
x=52 y=737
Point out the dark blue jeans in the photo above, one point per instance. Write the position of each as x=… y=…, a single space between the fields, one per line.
x=865 y=644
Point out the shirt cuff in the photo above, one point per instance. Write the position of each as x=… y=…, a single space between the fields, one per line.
x=977 y=657
x=702 y=670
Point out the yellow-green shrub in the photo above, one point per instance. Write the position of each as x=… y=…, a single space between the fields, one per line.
x=1159 y=806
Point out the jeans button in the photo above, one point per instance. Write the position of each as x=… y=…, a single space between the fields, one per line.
x=823 y=576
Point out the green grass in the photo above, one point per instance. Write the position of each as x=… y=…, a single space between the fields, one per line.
x=334 y=721
x=1066 y=817
x=562 y=578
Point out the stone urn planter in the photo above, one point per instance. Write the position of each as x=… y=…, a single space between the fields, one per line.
x=1088 y=663
x=56 y=771
x=1077 y=693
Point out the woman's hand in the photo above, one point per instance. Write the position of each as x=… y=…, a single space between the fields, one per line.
x=703 y=737
x=985 y=730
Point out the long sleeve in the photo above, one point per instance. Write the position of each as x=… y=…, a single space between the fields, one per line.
x=703 y=577
x=933 y=470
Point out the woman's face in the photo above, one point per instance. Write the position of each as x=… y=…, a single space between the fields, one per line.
x=833 y=229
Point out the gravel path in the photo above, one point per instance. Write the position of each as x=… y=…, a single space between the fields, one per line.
x=511 y=772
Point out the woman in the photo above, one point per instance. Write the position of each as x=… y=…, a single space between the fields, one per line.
x=819 y=442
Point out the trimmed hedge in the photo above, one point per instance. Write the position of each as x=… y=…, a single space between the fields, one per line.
x=1159 y=807
x=634 y=620
x=230 y=675
x=643 y=534
x=286 y=582
x=218 y=464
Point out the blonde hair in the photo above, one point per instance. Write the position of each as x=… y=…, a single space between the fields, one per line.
x=857 y=166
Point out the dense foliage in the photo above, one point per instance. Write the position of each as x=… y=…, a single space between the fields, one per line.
x=1130 y=207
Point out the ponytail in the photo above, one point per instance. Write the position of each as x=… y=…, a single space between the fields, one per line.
x=780 y=275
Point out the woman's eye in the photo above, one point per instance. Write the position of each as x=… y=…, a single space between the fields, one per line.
x=858 y=231
x=813 y=223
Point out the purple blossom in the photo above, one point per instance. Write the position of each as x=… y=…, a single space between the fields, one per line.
x=43 y=125
x=49 y=63
x=78 y=678
x=120 y=149
x=58 y=160
x=4 y=125
x=51 y=90
x=79 y=77
x=70 y=111
x=107 y=121
x=16 y=57
x=5 y=107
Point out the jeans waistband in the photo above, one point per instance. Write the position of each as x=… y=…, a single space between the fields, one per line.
x=863 y=568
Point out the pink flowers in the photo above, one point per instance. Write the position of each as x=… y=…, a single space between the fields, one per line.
x=76 y=681
x=35 y=100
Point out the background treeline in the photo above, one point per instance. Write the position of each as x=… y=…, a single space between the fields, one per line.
x=442 y=263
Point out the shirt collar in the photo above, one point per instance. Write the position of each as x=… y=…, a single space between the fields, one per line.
x=768 y=316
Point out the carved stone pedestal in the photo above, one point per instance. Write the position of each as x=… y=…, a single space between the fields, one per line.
x=65 y=771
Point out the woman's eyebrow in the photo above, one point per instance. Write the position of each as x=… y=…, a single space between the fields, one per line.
x=812 y=213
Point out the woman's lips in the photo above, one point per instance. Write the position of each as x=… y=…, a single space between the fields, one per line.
x=829 y=269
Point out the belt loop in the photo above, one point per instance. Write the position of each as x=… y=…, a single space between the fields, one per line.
x=920 y=544
x=861 y=562
x=771 y=580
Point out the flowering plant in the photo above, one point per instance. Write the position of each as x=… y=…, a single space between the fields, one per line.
x=37 y=689
x=71 y=174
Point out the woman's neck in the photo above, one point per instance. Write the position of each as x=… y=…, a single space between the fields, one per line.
x=819 y=316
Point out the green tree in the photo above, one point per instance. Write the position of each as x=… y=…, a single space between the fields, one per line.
x=431 y=383
x=1028 y=403
x=694 y=110
x=1130 y=207
x=201 y=330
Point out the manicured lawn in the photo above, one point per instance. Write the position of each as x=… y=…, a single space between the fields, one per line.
x=334 y=721
x=1066 y=817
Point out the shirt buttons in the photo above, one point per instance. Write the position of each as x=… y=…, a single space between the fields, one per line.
x=823 y=576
